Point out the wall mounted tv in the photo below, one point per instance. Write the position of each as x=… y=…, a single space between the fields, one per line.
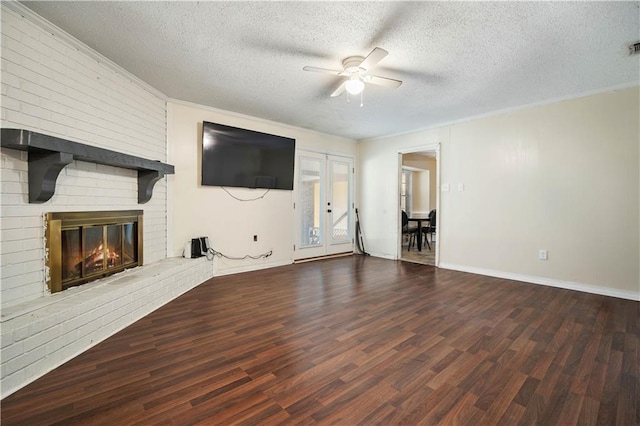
x=244 y=158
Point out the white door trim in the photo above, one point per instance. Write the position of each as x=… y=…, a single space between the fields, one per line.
x=401 y=152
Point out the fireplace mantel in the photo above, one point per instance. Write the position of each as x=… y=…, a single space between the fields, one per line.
x=48 y=155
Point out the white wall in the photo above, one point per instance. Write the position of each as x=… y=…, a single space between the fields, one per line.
x=562 y=177
x=53 y=84
x=230 y=224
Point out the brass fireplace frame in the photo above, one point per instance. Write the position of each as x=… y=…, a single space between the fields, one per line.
x=56 y=222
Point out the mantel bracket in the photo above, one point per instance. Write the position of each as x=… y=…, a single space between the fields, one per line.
x=146 y=180
x=48 y=155
x=44 y=168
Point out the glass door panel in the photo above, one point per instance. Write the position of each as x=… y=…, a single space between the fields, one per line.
x=93 y=249
x=310 y=193
x=71 y=254
x=324 y=205
x=340 y=217
x=114 y=246
x=129 y=252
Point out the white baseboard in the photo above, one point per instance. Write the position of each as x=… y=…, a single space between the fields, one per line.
x=249 y=268
x=383 y=255
x=568 y=285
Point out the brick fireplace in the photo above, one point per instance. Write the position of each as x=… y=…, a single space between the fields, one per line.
x=85 y=246
x=105 y=130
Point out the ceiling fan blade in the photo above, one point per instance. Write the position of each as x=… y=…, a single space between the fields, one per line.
x=383 y=81
x=338 y=91
x=322 y=70
x=374 y=57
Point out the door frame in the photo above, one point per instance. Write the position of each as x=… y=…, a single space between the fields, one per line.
x=296 y=203
x=416 y=149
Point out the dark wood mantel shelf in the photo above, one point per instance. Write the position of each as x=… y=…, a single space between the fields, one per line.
x=48 y=155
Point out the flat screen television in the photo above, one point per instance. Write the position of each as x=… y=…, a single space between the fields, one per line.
x=245 y=158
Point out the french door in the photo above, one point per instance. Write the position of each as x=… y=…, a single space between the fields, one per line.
x=324 y=205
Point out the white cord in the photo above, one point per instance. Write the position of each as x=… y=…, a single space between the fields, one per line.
x=241 y=199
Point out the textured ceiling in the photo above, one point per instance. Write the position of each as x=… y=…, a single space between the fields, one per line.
x=457 y=59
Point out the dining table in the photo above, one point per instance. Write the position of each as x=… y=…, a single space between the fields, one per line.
x=419 y=220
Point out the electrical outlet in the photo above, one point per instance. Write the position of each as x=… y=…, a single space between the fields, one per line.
x=542 y=254
x=255 y=238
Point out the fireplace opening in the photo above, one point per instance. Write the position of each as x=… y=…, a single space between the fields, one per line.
x=84 y=246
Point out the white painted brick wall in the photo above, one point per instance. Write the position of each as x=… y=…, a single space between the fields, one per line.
x=52 y=84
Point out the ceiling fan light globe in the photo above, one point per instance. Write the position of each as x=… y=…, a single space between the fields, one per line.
x=354 y=86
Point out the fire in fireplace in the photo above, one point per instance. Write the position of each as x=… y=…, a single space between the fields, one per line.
x=84 y=246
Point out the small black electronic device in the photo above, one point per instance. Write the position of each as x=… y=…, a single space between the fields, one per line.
x=198 y=247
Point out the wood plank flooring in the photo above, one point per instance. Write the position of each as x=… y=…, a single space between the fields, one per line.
x=355 y=340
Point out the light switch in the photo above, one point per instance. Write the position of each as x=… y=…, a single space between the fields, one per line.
x=461 y=187
x=444 y=187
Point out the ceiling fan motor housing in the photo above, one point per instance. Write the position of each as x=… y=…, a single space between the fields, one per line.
x=355 y=73
x=352 y=65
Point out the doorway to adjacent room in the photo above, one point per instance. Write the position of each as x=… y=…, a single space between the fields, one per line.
x=419 y=198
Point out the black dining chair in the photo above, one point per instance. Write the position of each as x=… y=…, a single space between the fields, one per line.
x=406 y=230
x=430 y=229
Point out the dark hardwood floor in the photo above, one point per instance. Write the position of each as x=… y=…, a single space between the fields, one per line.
x=355 y=340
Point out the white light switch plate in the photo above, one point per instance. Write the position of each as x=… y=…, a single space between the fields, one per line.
x=461 y=187
x=444 y=187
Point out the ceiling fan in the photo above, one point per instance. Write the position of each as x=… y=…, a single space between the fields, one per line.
x=356 y=73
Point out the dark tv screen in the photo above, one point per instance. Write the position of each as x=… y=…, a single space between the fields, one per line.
x=245 y=158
